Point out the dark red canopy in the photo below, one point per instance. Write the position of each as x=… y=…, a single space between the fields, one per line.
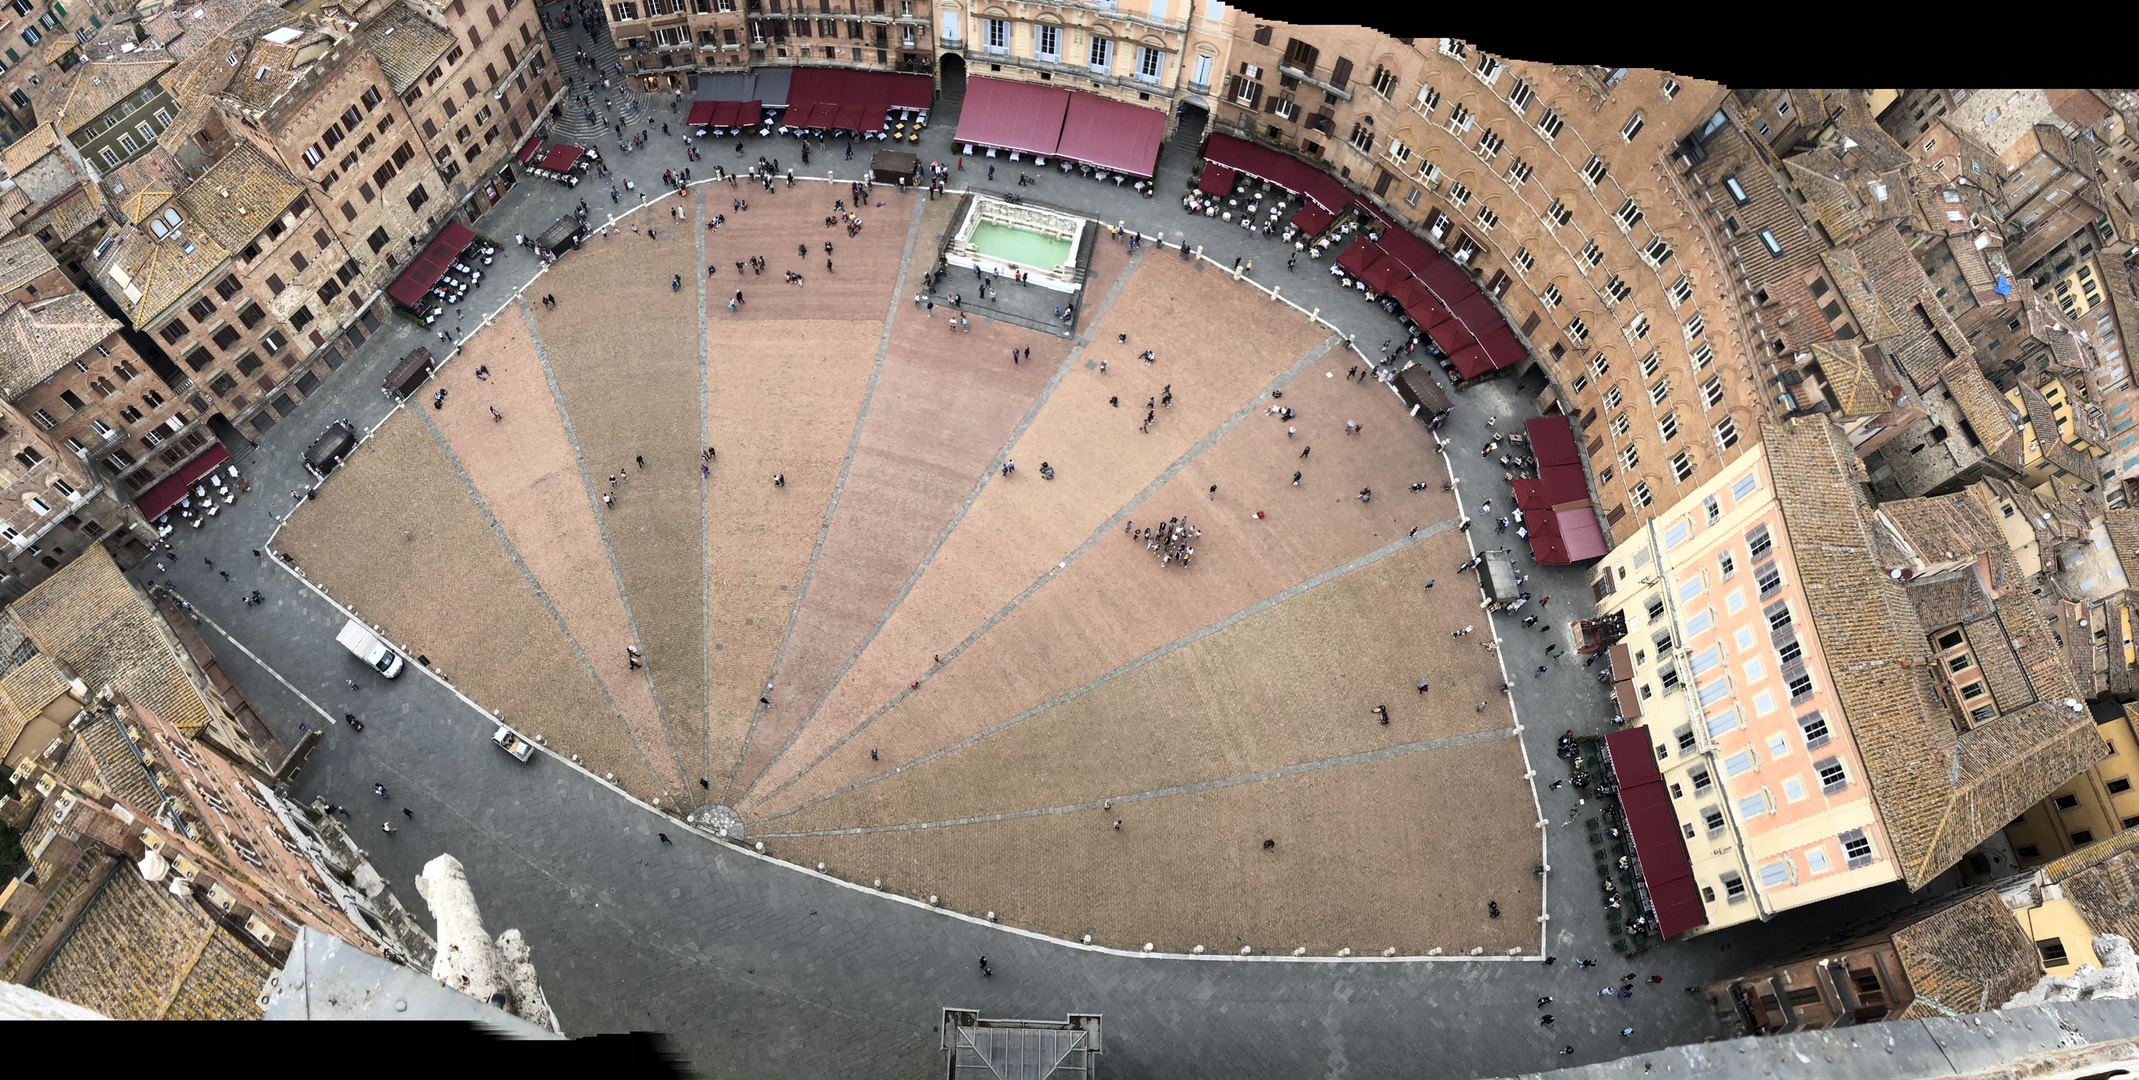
x=1284 y=170
x=1502 y=345
x=1451 y=338
x=1359 y=257
x=1312 y=219
x=408 y=289
x=528 y=148
x=747 y=113
x=1216 y=180
x=703 y=112
x=1478 y=314
x=1447 y=280
x=1665 y=868
x=1530 y=495
x=172 y=488
x=1552 y=440
x=1470 y=361
x=1013 y=115
x=1405 y=248
x=558 y=159
x=1112 y=135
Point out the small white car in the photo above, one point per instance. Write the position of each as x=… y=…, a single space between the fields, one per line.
x=510 y=741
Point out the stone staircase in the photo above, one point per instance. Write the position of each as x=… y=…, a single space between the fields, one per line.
x=617 y=102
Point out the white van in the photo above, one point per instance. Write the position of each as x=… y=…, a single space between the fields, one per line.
x=358 y=638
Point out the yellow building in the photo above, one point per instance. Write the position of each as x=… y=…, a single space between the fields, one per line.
x=1962 y=953
x=2093 y=806
x=2060 y=442
x=1773 y=617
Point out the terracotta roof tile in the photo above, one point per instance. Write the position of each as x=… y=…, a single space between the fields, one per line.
x=98 y=85
x=1939 y=793
x=37 y=340
x=406 y=44
x=88 y=617
x=238 y=197
x=23 y=260
x=1970 y=957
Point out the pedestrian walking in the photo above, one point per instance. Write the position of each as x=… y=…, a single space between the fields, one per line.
x=379 y=790
x=388 y=828
x=408 y=813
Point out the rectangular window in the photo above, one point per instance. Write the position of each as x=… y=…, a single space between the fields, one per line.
x=1755 y=805
x=1681 y=466
x=1711 y=656
x=1767 y=240
x=1775 y=873
x=1758 y=541
x=1557 y=214
x=1593 y=172
x=1740 y=762
x=1856 y=848
x=1642 y=494
x=1550 y=124
x=1677 y=534
x=1832 y=777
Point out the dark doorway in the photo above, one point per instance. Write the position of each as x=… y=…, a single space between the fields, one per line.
x=952 y=85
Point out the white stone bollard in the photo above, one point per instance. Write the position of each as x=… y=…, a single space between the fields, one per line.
x=932 y=899
x=761 y=847
x=1435 y=951
x=1479 y=951
x=1247 y=950
x=1148 y=946
x=820 y=868
x=1344 y=952
x=1301 y=951
x=1198 y=950
x=877 y=884
x=1389 y=951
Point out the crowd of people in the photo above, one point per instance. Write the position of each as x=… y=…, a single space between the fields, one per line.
x=1170 y=541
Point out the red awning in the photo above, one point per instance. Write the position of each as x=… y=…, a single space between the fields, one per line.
x=1359 y=257
x=1414 y=253
x=1284 y=170
x=1216 y=180
x=1479 y=315
x=1418 y=303
x=1471 y=361
x=1312 y=219
x=747 y=114
x=703 y=112
x=1450 y=337
x=1013 y=115
x=408 y=289
x=165 y=495
x=561 y=158
x=1579 y=531
x=528 y=148
x=856 y=118
x=1382 y=276
x=1112 y=135
x=1665 y=869
x=1503 y=346
x=1552 y=440
x=1447 y=280
x=1564 y=485
x=1546 y=546
x=1530 y=495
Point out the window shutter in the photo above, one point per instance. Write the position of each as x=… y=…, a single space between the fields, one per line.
x=1340 y=72
x=1255 y=95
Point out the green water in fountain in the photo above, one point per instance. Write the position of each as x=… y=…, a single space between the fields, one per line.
x=1033 y=250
